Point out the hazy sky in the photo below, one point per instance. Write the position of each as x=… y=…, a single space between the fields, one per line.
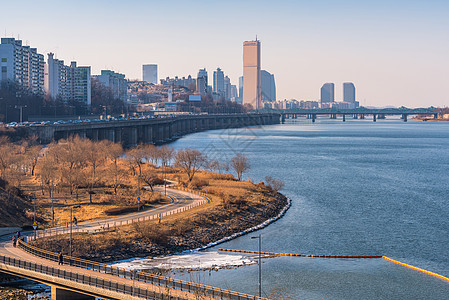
x=395 y=52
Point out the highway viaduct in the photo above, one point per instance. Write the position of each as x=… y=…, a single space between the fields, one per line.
x=152 y=131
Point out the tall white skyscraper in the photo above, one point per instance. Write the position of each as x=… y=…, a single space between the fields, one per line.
x=251 y=74
x=21 y=64
x=149 y=73
x=348 y=92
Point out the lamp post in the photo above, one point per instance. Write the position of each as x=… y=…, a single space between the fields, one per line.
x=260 y=270
x=20 y=107
x=71 y=222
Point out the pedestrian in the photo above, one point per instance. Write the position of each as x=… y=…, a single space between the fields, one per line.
x=14 y=240
x=18 y=234
x=60 y=259
x=75 y=221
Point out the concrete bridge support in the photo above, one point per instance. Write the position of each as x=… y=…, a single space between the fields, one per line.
x=344 y=118
x=404 y=117
x=362 y=116
x=313 y=118
x=61 y=294
x=374 y=117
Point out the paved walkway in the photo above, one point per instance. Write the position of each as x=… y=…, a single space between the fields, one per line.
x=181 y=200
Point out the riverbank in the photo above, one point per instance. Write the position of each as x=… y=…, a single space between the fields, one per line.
x=235 y=206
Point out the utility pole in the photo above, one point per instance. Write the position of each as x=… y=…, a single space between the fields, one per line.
x=71 y=218
x=260 y=265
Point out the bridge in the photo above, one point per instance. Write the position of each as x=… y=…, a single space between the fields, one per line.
x=131 y=132
x=356 y=113
x=84 y=279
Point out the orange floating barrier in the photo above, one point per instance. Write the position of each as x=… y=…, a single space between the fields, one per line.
x=415 y=268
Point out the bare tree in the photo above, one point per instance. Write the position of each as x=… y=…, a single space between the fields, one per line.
x=275 y=184
x=114 y=152
x=213 y=165
x=240 y=164
x=190 y=161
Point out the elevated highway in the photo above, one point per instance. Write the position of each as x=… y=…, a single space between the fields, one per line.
x=131 y=132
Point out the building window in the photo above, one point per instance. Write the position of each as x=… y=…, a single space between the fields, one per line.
x=4 y=60
x=3 y=69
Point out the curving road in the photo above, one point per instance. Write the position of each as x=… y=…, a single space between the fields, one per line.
x=181 y=200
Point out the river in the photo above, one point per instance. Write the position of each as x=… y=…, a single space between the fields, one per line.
x=357 y=188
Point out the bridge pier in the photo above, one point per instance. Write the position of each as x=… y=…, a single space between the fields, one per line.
x=404 y=117
x=355 y=116
x=344 y=118
x=61 y=294
x=313 y=118
x=362 y=116
x=374 y=117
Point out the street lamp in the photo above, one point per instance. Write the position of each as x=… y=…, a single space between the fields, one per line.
x=260 y=270
x=71 y=222
x=20 y=107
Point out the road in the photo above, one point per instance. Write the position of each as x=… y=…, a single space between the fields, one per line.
x=181 y=200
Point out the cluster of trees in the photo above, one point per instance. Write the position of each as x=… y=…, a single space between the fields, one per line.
x=81 y=163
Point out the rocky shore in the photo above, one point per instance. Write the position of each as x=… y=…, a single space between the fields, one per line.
x=204 y=229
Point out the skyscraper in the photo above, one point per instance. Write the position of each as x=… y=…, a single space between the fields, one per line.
x=227 y=87
x=201 y=82
x=251 y=74
x=327 y=92
x=348 y=92
x=219 y=87
x=22 y=64
x=268 y=86
x=240 y=89
x=149 y=73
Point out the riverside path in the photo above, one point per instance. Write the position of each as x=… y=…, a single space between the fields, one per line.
x=82 y=279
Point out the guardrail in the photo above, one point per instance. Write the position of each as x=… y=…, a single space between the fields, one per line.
x=94 y=281
x=192 y=287
x=106 y=225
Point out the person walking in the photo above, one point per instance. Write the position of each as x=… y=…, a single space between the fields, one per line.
x=60 y=259
x=14 y=240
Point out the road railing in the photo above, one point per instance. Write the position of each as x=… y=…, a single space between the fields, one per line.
x=158 y=280
x=94 y=281
x=109 y=224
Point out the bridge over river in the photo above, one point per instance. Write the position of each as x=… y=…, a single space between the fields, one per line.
x=355 y=113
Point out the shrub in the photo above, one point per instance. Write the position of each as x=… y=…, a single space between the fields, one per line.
x=121 y=210
x=198 y=183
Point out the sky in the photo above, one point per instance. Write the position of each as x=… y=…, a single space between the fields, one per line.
x=395 y=52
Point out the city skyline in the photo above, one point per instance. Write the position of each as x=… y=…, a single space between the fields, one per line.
x=395 y=53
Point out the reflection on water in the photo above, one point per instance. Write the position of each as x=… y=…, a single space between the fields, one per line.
x=357 y=188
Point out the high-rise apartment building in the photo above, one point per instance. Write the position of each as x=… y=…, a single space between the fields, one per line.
x=268 y=86
x=201 y=82
x=116 y=82
x=149 y=73
x=22 y=64
x=67 y=82
x=327 y=92
x=348 y=92
x=251 y=74
x=219 y=87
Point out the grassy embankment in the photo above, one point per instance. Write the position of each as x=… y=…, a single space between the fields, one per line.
x=235 y=206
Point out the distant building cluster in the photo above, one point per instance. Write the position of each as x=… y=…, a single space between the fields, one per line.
x=25 y=66
x=256 y=88
x=328 y=100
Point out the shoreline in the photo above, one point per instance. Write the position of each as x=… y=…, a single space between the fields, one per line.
x=206 y=227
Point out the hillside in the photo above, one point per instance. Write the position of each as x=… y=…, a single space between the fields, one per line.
x=13 y=210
